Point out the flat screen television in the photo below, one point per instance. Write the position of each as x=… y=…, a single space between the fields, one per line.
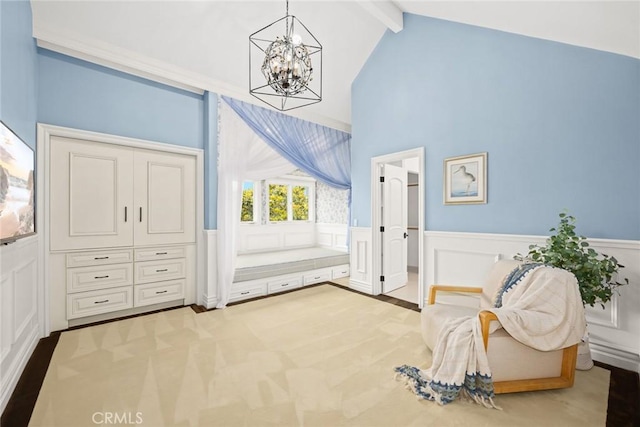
x=17 y=187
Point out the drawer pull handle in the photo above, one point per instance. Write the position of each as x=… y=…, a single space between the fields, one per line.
x=244 y=293
x=101 y=257
x=101 y=302
x=161 y=253
x=162 y=270
x=161 y=292
x=316 y=278
x=284 y=284
x=101 y=277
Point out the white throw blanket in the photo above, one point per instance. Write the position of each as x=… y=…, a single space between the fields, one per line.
x=537 y=305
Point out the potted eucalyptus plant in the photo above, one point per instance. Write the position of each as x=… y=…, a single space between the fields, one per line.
x=597 y=273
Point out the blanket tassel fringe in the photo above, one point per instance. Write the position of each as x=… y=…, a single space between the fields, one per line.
x=410 y=384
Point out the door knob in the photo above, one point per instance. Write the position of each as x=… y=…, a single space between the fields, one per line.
x=406 y=235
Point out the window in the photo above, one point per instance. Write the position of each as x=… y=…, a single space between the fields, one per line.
x=289 y=202
x=285 y=199
x=250 y=206
x=278 y=202
x=300 y=203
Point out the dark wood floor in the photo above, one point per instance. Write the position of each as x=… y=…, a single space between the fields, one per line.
x=623 y=406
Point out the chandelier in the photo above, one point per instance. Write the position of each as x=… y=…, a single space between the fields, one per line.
x=288 y=74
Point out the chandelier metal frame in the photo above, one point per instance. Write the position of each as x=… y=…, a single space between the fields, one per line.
x=290 y=73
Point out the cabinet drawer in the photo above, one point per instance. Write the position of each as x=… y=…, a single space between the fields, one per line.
x=152 y=254
x=338 y=272
x=83 y=259
x=82 y=279
x=154 y=293
x=317 y=277
x=98 y=302
x=248 y=292
x=284 y=285
x=155 y=271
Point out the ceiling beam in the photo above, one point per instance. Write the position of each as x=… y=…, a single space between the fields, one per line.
x=386 y=11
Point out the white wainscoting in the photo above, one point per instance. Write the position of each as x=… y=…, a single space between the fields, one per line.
x=209 y=296
x=332 y=236
x=614 y=332
x=19 y=311
x=275 y=237
x=361 y=275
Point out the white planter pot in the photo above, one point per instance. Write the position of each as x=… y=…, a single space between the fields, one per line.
x=584 y=361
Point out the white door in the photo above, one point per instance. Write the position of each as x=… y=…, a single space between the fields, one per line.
x=91 y=197
x=165 y=198
x=394 y=221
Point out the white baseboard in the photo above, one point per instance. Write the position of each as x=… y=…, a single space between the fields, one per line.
x=615 y=357
x=18 y=364
x=209 y=301
x=361 y=286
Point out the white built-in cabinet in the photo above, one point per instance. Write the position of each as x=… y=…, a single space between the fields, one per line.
x=122 y=229
x=104 y=195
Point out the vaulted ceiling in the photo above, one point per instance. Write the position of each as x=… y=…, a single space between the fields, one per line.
x=203 y=45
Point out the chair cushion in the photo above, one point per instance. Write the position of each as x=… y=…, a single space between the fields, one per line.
x=508 y=358
x=494 y=280
x=511 y=360
x=434 y=316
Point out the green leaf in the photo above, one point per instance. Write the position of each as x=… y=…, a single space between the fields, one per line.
x=594 y=271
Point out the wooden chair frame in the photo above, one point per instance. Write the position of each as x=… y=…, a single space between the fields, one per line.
x=569 y=354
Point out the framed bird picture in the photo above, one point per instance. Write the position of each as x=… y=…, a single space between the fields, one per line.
x=465 y=179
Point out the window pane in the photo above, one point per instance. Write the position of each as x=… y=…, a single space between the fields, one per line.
x=277 y=202
x=247 y=202
x=300 y=203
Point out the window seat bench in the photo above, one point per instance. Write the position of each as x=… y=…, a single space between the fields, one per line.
x=265 y=273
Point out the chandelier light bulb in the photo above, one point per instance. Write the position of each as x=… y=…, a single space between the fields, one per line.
x=287 y=67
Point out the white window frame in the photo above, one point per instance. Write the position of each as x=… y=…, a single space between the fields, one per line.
x=257 y=203
x=292 y=181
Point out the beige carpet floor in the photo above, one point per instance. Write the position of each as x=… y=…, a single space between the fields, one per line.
x=321 y=356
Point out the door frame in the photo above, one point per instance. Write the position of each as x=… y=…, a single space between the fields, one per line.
x=376 y=219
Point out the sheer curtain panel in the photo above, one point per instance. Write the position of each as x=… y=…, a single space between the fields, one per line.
x=242 y=156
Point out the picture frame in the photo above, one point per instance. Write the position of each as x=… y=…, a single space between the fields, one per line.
x=465 y=179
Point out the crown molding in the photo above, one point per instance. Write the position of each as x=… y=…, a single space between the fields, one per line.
x=109 y=56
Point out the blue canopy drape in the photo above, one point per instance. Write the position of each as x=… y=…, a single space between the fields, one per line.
x=322 y=152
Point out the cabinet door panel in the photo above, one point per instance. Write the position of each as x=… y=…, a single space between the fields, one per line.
x=165 y=198
x=90 y=191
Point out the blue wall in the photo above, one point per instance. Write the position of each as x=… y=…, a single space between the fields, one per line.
x=210 y=160
x=81 y=95
x=560 y=124
x=18 y=70
x=77 y=94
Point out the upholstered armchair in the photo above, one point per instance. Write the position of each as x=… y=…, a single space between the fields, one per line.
x=514 y=366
